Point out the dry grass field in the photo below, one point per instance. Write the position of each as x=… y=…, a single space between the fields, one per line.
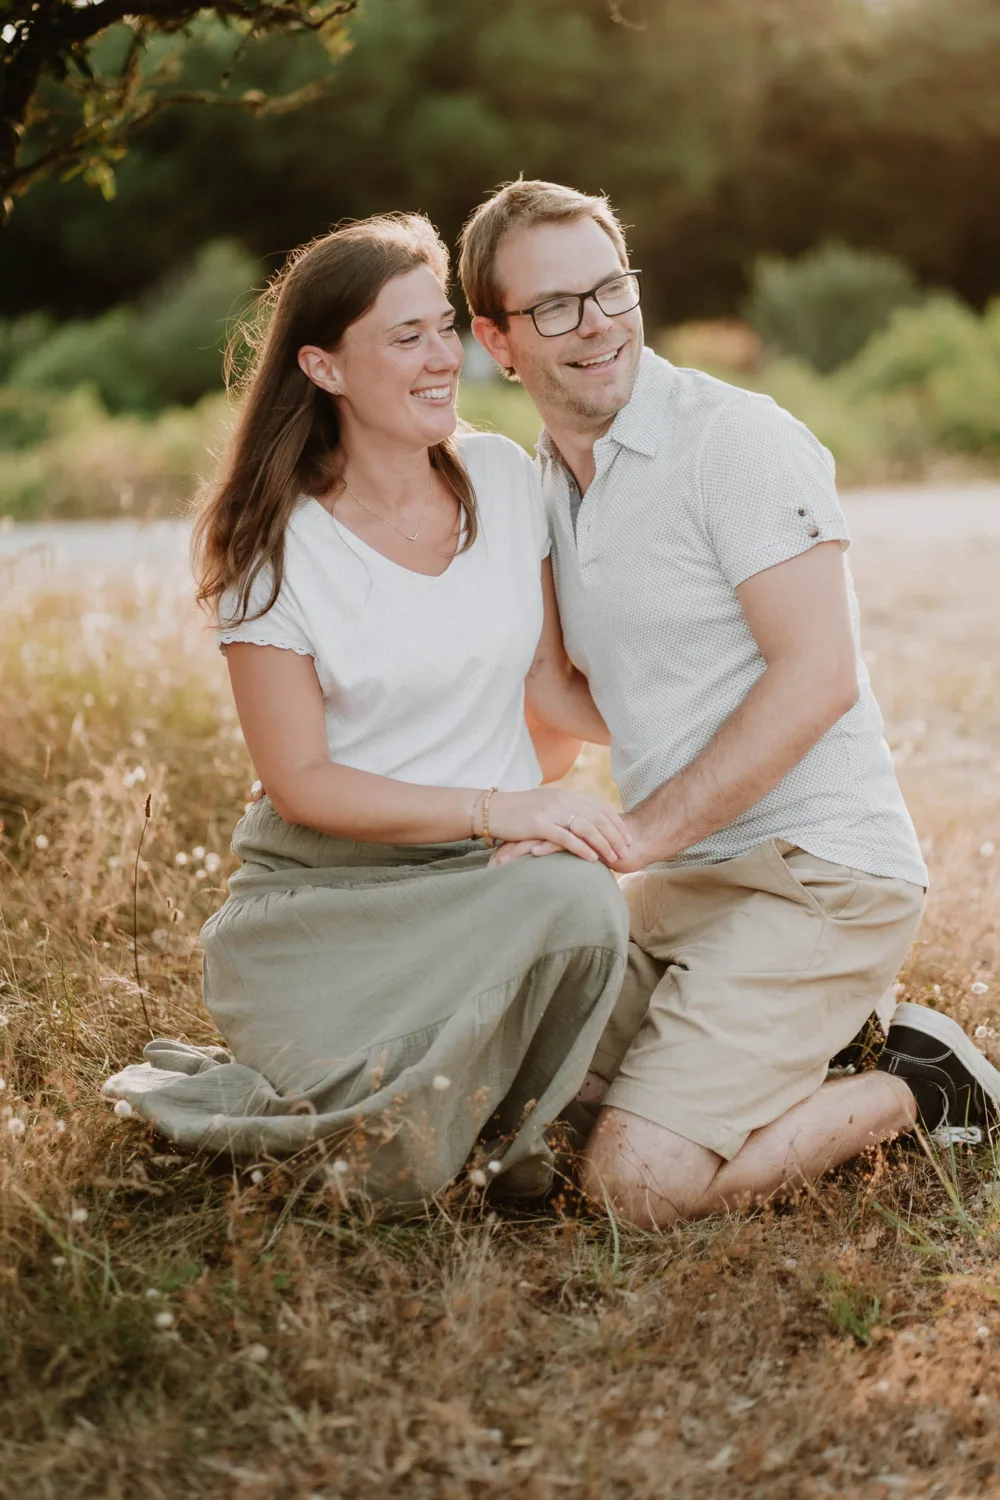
x=170 y=1328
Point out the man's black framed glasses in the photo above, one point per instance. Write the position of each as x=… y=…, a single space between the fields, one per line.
x=555 y=315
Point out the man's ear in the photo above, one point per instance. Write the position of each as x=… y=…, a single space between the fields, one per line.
x=493 y=340
x=322 y=368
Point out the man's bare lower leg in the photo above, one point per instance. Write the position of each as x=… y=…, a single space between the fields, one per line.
x=653 y=1176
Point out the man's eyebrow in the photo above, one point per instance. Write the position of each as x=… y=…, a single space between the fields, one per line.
x=545 y=296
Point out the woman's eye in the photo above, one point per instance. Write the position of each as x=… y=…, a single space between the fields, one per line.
x=408 y=339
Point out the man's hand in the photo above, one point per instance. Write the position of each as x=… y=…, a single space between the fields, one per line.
x=642 y=851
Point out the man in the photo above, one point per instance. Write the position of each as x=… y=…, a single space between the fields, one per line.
x=775 y=882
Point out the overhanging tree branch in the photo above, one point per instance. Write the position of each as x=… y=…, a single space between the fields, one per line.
x=43 y=40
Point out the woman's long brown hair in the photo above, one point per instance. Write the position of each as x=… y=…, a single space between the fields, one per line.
x=286 y=437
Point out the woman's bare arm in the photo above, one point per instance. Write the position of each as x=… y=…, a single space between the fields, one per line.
x=280 y=704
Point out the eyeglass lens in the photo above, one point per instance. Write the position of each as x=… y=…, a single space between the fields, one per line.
x=563 y=314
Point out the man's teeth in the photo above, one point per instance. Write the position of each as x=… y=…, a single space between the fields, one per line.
x=433 y=393
x=602 y=359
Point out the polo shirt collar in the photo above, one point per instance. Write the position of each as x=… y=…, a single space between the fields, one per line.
x=639 y=424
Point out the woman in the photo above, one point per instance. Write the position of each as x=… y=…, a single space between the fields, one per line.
x=385 y=604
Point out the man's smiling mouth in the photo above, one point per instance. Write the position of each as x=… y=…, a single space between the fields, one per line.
x=597 y=361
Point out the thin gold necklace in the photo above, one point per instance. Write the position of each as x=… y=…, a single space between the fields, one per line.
x=406 y=535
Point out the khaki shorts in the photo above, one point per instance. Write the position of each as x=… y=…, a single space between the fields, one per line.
x=744 y=978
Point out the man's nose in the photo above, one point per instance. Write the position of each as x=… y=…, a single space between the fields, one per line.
x=594 y=320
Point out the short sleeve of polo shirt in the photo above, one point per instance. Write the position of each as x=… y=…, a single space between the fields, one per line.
x=768 y=489
x=280 y=626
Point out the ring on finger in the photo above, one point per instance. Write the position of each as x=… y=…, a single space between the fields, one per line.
x=569 y=825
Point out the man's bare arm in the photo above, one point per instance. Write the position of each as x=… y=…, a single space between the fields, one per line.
x=799 y=615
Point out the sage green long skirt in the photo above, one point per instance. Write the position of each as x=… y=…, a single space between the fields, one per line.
x=406 y=1006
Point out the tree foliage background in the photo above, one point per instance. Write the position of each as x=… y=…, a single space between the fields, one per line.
x=722 y=131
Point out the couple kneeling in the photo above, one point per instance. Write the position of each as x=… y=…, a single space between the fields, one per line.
x=425 y=957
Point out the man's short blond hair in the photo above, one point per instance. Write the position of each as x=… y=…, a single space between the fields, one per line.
x=520 y=205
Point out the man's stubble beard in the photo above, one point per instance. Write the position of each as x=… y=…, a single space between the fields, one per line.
x=547 y=391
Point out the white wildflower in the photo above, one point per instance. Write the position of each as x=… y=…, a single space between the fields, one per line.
x=201 y=874
x=137 y=774
x=124 y=1109
x=41 y=842
x=477 y=1178
x=181 y=858
x=58 y=1260
x=256 y=1175
x=494 y=1167
x=60 y=1126
x=979 y=988
x=4 y=1019
x=15 y=1126
x=258 y=1354
x=981 y=1031
x=153 y=1293
x=79 y=1216
x=198 y=852
x=441 y=1083
x=213 y=862
x=982 y=1332
x=341 y=1167
x=164 y=1319
x=988 y=849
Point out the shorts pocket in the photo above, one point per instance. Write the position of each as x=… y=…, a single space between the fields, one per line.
x=829 y=888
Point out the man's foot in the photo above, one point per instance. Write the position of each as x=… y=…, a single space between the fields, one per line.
x=956 y=1089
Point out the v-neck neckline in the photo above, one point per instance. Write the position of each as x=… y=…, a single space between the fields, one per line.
x=391 y=561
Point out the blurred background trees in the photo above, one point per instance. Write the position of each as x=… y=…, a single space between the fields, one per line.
x=825 y=169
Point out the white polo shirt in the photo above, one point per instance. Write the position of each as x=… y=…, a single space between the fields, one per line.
x=700 y=485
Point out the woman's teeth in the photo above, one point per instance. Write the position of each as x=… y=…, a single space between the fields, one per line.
x=433 y=393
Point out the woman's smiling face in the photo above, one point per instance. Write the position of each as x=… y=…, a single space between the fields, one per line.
x=395 y=372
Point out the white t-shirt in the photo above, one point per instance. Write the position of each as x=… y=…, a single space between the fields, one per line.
x=422 y=678
x=699 y=486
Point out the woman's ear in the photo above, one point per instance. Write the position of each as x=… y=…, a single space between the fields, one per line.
x=321 y=367
x=493 y=340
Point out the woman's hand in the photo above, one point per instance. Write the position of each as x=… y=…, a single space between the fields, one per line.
x=561 y=818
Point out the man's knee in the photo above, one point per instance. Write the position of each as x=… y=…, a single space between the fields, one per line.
x=643 y=1172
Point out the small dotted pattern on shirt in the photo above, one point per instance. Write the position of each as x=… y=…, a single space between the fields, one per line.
x=699 y=486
